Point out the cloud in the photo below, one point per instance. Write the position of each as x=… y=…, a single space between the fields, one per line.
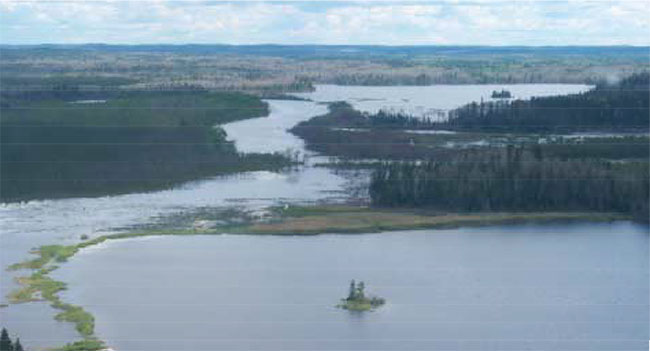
x=465 y=22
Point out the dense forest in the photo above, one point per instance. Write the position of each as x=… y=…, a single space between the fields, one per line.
x=346 y=132
x=514 y=179
x=277 y=68
x=619 y=106
x=55 y=146
x=493 y=163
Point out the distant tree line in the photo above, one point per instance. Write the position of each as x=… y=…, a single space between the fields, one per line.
x=513 y=179
x=343 y=115
x=624 y=105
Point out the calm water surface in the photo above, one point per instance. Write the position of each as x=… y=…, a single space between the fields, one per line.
x=427 y=100
x=28 y=225
x=24 y=226
x=551 y=287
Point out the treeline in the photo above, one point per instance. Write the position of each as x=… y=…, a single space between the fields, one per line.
x=347 y=132
x=133 y=142
x=620 y=106
x=513 y=179
x=343 y=115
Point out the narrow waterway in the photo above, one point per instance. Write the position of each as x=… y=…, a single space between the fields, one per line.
x=28 y=225
x=63 y=221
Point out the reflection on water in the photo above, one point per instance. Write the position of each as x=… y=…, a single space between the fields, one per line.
x=552 y=287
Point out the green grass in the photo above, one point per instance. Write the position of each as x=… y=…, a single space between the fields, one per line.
x=358 y=306
x=83 y=345
x=84 y=322
x=39 y=286
x=342 y=219
x=361 y=304
x=48 y=253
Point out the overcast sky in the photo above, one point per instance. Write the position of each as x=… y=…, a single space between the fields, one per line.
x=462 y=22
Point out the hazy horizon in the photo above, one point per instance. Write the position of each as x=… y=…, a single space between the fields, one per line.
x=332 y=45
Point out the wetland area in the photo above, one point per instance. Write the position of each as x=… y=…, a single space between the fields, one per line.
x=556 y=282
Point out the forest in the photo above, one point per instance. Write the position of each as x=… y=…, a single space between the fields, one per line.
x=514 y=179
x=262 y=69
x=618 y=106
x=73 y=143
x=502 y=156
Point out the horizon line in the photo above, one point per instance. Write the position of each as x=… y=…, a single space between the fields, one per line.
x=332 y=45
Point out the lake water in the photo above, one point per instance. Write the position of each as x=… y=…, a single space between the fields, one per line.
x=62 y=221
x=28 y=225
x=545 y=287
x=432 y=101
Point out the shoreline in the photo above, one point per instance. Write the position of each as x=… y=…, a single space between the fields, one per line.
x=291 y=220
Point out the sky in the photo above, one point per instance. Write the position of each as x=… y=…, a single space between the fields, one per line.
x=444 y=22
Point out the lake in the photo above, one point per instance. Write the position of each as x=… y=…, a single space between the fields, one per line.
x=63 y=221
x=433 y=100
x=524 y=287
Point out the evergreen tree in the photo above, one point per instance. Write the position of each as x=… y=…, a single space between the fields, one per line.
x=18 y=346
x=5 y=341
x=353 y=290
x=360 y=290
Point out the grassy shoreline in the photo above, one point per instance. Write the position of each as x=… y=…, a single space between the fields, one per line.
x=343 y=219
x=292 y=220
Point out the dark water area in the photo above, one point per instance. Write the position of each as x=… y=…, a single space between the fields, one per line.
x=526 y=287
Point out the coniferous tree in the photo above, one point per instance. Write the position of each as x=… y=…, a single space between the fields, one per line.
x=360 y=290
x=18 y=346
x=5 y=341
x=353 y=290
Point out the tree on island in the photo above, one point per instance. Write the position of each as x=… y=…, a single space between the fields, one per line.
x=357 y=300
x=353 y=291
x=503 y=94
x=357 y=291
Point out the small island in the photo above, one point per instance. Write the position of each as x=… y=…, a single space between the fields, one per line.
x=357 y=299
x=503 y=94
